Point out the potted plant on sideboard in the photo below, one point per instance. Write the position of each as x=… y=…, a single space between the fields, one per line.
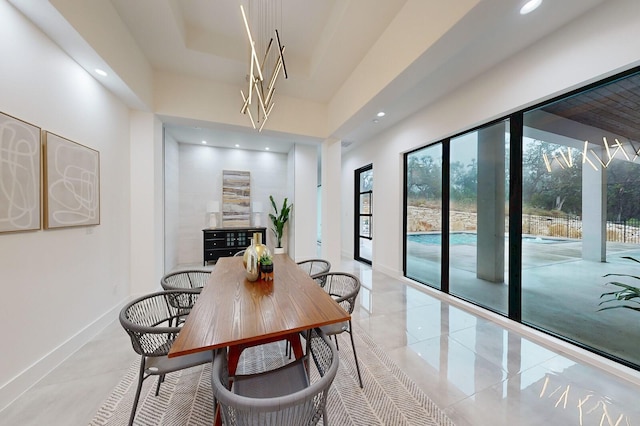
x=279 y=219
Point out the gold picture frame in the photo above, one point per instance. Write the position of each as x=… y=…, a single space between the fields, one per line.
x=72 y=182
x=20 y=175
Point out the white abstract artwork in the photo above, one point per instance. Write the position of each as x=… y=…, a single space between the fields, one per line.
x=72 y=173
x=19 y=175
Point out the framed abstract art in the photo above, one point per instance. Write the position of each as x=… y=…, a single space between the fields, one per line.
x=72 y=183
x=236 y=198
x=20 y=177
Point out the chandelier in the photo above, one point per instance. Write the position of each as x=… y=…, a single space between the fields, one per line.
x=567 y=161
x=266 y=60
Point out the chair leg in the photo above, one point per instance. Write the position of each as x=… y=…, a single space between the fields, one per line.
x=355 y=356
x=160 y=380
x=137 y=397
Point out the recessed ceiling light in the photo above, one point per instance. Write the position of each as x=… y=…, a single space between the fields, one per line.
x=375 y=120
x=237 y=145
x=267 y=149
x=380 y=114
x=101 y=72
x=530 y=6
x=204 y=142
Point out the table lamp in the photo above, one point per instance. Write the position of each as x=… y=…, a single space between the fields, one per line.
x=257 y=213
x=213 y=207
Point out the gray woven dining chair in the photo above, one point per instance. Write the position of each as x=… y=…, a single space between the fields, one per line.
x=185 y=280
x=148 y=321
x=344 y=289
x=188 y=279
x=312 y=267
x=283 y=396
x=315 y=267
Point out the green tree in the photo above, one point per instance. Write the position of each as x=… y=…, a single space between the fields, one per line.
x=559 y=189
x=623 y=190
x=424 y=178
x=464 y=182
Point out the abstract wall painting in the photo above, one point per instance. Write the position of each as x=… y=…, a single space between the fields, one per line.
x=236 y=198
x=20 y=156
x=72 y=182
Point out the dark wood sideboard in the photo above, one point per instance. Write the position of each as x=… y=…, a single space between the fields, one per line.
x=224 y=242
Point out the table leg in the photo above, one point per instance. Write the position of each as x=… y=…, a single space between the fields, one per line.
x=296 y=346
x=236 y=350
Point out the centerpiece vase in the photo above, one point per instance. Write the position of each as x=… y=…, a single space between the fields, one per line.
x=252 y=257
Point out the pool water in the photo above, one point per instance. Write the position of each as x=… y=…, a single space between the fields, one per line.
x=456 y=238
x=436 y=239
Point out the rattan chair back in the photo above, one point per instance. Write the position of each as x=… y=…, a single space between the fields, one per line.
x=302 y=407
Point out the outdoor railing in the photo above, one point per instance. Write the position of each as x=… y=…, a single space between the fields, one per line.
x=570 y=226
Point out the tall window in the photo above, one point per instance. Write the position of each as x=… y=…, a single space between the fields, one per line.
x=581 y=211
x=424 y=215
x=575 y=262
x=364 y=214
x=477 y=219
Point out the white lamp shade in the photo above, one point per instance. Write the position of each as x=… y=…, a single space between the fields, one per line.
x=257 y=207
x=213 y=206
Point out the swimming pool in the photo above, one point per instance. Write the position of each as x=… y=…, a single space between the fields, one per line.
x=456 y=238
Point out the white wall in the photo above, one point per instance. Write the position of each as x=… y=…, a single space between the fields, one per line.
x=200 y=180
x=147 y=206
x=304 y=217
x=333 y=208
x=171 y=201
x=59 y=287
x=593 y=47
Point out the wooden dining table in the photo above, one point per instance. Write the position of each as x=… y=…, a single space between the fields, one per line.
x=236 y=313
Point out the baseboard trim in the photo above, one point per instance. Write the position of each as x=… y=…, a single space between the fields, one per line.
x=393 y=273
x=28 y=378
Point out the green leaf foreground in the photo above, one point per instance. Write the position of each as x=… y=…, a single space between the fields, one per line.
x=627 y=294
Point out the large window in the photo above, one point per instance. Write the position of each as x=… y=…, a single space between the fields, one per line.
x=581 y=211
x=574 y=245
x=424 y=215
x=477 y=234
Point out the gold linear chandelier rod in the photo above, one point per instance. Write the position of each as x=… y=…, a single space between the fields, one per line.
x=246 y=110
x=254 y=56
x=258 y=86
x=281 y=50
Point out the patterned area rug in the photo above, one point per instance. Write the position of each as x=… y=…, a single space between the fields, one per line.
x=389 y=397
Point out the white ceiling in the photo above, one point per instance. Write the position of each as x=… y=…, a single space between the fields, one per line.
x=207 y=38
x=325 y=41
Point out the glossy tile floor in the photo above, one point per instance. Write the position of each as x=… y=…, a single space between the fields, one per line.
x=477 y=371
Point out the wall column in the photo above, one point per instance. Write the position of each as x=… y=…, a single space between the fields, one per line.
x=594 y=210
x=147 y=206
x=305 y=212
x=331 y=202
x=491 y=201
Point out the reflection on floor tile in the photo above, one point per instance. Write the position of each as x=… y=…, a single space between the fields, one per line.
x=477 y=371
x=483 y=374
